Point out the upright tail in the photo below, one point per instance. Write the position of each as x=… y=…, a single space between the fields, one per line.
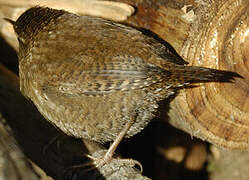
x=195 y=74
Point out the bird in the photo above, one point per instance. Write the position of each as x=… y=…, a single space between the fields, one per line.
x=97 y=79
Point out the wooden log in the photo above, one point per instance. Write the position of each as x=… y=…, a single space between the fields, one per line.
x=210 y=34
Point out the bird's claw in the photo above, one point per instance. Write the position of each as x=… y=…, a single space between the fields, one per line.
x=99 y=162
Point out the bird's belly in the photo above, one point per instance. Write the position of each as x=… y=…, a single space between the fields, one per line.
x=99 y=118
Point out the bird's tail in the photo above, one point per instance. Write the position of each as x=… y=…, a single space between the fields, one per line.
x=195 y=74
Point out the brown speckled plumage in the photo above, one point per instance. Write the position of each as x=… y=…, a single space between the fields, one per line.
x=90 y=76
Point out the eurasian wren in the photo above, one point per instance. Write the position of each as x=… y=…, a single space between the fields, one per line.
x=98 y=79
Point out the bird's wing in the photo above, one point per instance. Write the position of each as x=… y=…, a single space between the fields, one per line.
x=127 y=73
x=111 y=57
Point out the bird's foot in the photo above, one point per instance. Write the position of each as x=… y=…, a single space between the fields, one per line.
x=102 y=159
x=98 y=165
x=99 y=162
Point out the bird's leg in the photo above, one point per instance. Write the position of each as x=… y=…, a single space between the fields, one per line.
x=109 y=154
x=116 y=142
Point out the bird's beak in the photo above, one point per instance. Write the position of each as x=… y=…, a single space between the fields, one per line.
x=10 y=21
